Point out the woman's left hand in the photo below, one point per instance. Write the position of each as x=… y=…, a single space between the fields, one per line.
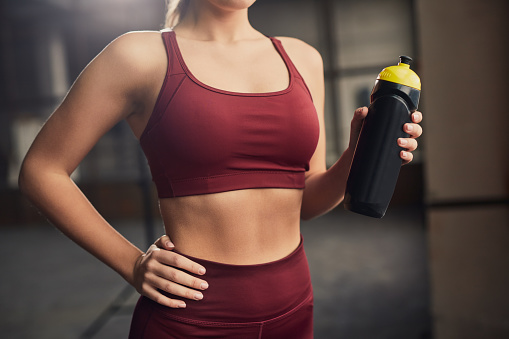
x=410 y=143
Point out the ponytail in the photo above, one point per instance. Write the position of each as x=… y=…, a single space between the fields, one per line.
x=175 y=11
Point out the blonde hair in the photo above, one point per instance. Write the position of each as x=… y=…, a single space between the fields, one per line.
x=174 y=12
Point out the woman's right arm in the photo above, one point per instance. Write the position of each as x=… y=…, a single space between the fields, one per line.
x=111 y=88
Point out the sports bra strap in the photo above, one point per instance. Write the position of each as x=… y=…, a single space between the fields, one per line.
x=174 y=66
x=289 y=63
x=279 y=47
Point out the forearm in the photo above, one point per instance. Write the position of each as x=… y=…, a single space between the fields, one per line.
x=326 y=190
x=62 y=202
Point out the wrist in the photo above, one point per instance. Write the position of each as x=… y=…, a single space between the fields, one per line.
x=129 y=272
x=349 y=152
x=131 y=279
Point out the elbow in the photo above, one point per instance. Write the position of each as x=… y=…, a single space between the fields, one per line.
x=27 y=178
x=306 y=215
x=311 y=212
x=311 y=215
x=37 y=176
x=23 y=179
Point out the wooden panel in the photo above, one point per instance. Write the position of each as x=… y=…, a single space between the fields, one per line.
x=469 y=267
x=464 y=71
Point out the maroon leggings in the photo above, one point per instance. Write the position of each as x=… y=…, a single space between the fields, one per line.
x=272 y=300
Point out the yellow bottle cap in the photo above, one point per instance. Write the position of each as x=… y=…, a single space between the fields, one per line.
x=401 y=74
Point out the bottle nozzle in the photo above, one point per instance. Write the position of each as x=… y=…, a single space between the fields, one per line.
x=403 y=59
x=401 y=73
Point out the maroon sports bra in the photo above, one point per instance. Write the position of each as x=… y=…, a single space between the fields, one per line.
x=201 y=139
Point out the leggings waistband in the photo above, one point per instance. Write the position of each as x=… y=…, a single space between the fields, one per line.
x=249 y=293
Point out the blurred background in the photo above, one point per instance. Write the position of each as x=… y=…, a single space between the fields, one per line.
x=436 y=266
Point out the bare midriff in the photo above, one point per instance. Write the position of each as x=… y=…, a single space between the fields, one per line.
x=242 y=227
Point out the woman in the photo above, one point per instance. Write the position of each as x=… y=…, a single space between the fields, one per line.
x=232 y=125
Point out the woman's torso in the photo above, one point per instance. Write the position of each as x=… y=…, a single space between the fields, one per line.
x=238 y=227
x=245 y=226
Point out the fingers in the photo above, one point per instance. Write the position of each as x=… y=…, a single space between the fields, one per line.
x=408 y=143
x=154 y=273
x=160 y=298
x=178 y=261
x=173 y=288
x=160 y=269
x=172 y=274
x=414 y=129
x=406 y=157
x=416 y=117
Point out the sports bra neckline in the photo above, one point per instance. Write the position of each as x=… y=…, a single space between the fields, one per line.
x=275 y=42
x=201 y=140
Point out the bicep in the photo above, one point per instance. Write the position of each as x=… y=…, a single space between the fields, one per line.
x=95 y=103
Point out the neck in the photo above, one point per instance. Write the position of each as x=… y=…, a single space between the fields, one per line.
x=204 y=21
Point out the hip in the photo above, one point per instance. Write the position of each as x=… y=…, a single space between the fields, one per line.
x=273 y=297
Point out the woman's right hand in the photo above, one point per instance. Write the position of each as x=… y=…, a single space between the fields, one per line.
x=162 y=269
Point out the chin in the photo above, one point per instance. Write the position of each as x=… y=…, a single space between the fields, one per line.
x=232 y=4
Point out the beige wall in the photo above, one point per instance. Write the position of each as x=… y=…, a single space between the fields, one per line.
x=465 y=74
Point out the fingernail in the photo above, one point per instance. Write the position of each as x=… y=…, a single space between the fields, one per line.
x=404 y=154
x=169 y=244
x=198 y=296
x=201 y=270
x=183 y=305
x=409 y=128
x=415 y=116
x=204 y=286
x=403 y=142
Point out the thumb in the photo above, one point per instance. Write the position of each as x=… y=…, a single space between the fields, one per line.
x=356 y=125
x=359 y=115
x=165 y=243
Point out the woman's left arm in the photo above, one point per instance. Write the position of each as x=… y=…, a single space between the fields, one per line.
x=325 y=188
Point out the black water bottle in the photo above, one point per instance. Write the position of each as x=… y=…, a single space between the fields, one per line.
x=376 y=163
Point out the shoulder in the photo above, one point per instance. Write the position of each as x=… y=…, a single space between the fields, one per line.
x=137 y=40
x=301 y=53
x=134 y=59
x=140 y=49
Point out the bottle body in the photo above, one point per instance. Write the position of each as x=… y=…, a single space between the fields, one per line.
x=376 y=163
